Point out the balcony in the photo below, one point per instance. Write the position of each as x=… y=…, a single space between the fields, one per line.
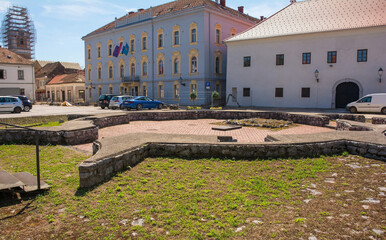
x=128 y=79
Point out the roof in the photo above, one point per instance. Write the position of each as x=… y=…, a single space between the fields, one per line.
x=7 y=56
x=70 y=65
x=68 y=78
x=313 y=16
x=176 y=6
x=50 y=69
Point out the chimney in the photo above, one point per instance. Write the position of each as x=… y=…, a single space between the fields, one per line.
x=293 y=1
x=261 y=18
x=131 y=13
x=222 y=3
x=140 y=10
x=241 y=9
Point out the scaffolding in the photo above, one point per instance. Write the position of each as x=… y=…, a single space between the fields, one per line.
x=18 y=32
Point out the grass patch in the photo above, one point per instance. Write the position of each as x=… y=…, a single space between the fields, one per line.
x=196 y=199
x=47 y=121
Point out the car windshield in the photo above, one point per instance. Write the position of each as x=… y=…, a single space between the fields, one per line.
x=114 y=98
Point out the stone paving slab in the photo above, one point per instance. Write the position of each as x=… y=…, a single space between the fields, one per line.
x=8 y=181
x=226 y=128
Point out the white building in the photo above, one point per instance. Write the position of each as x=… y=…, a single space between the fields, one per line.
x=165 y=52
x=311 y=54
x=17 y=76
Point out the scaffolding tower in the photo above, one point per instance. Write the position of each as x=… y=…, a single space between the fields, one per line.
x=18 y=32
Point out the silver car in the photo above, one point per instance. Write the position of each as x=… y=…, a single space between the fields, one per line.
x=10 y=104
x=116 y=102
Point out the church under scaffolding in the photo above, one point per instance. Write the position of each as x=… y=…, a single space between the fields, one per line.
x=18 y=32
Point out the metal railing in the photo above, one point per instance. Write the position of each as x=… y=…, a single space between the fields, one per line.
x=131 y=79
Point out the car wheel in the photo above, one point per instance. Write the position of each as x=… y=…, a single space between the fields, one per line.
x=17 y=110
x=128 y=109
x=103 y=107
x=26 y=108
x=383 y=111
x=139 y=107
x=159 y=106
x=353 y=110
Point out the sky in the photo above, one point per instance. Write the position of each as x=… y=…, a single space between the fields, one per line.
x=60 y=24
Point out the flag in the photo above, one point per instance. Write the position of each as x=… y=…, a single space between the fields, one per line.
x=125 y=49
x=116 y=51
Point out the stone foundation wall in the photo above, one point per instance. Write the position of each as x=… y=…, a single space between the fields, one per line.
x=378 y=120
x=110 y=120
x=342 y=125
x=351 y=117
x=93 y=173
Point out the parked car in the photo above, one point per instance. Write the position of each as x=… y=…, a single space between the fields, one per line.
x=116 y=101
x=27 y=105
x=375 y=102
x=142 y=102
x=104 y=100
x=10 y=104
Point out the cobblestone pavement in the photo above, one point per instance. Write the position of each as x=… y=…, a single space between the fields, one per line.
x=199 y=127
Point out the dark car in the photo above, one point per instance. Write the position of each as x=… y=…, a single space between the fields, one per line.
x=27 y=105
x=141 y=102
x=104 y=100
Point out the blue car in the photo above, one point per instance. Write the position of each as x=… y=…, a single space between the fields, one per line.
x=141 y=102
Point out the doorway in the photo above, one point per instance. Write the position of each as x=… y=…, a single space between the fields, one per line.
x=345 y=93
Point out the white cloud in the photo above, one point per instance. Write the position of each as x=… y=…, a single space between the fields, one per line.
x=4 y=5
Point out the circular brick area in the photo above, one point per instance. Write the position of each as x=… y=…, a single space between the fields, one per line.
x=199 y=127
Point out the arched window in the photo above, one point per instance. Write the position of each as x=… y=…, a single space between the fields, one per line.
x=132 y=70
x=194 y=65
x=144 y=69
x=110 y=72
x=121 y=72
x=176 y=62
x=160 y=67
x=217 y=65
x=194 y=35
x=99 y=73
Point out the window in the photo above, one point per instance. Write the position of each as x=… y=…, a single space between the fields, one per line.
x=362 y=55
x=110 y=72
x=89 y=74
x=99 y=73
x=194 y=35
x=132 y=45
x=89 y=94
x=132 y=72
x=306 y=58
x=161 y=93
x=3 y=74
x=88 y=54
x=144 y=90
x=176 y=62
x=279 y=92
x=20 y=74
x=218 y=34
x=22 y=91
x=99 y=91
x=306 y=92
x=110 y=49
x=177 y=38
x=193 y=87
x=160 y=41
x=144 y=69
x=176 y=91
x=99 y=52
x=247 y=61
x=246 y=92
x=279 y=59
x=217 y=65
x=121 y=72
x=194 y=65
x=331 y=57
x=144 y=43
x=110 y=90
x=160 y=67
x=366 y=99
x=81 y=94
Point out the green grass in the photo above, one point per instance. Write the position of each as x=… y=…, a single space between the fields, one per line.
x=46 y=121
x=176 y=198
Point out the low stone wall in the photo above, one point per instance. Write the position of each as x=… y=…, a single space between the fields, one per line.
x=108 y=121
x=351 y=117
x=342 y=125
x=73 y=137
x=95 y=172
x=378 y=120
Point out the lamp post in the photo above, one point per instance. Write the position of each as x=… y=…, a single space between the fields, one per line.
x=380 y=72
x=316 y=75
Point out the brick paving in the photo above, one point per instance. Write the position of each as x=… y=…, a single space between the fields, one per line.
x=199 y=127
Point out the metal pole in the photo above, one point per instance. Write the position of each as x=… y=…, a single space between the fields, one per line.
x=37 y=158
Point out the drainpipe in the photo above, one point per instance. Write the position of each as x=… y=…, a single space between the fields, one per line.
x=152 y=52
x=210 y=60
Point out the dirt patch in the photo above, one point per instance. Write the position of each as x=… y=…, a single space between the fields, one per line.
x=259 y=123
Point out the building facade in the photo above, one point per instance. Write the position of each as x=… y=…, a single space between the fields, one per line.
x=16 y=75
x=67 y=87
x=330 y=59
x=164 y=52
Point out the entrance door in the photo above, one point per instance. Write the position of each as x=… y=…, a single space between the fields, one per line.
x=63 y=96
x=345 y=93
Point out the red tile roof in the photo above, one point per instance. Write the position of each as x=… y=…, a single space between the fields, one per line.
x=180 y=5
x=68 y=78
x=7 y=56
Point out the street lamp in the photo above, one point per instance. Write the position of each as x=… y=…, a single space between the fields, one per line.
x=380 y=72
x=316 y=75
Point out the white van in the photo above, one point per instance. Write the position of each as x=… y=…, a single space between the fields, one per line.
x=375 y=102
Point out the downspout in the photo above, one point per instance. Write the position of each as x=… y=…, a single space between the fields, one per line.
x=152 y=52
x=210 y=61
